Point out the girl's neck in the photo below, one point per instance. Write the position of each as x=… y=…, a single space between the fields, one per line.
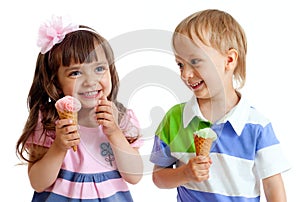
x=215 y=108
x=86 y=117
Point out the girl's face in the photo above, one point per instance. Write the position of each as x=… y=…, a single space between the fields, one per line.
x=202 y=68
x=87 y=82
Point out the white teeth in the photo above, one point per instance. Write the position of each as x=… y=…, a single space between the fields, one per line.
x=91 y=93
x=195 y=84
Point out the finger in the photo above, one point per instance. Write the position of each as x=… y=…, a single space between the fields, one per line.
x=203 y=166
x=70 y=129
x=202 y=159
x=104 y=103
x=73 y=137
x=63 y=123
x=103 y=108
x=104 y=122
x=104 y=116
x=72 y=143
x=202 y=177
x=103 y=97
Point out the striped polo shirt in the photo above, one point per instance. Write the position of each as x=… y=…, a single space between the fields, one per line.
x=245 y=152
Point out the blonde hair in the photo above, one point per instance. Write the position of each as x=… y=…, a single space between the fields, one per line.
x=220 y=31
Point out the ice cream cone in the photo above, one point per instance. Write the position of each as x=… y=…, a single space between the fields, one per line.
x=202 y=145
x=69 y=115
x=67 y=108
x=203 y=140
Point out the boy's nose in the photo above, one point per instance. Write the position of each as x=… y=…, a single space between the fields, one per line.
x=187 y=73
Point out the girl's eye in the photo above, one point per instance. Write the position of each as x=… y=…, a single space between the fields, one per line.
x=75 y=73
x=100 y=69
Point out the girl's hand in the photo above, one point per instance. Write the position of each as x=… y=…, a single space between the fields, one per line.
x=107 y=116
x=67 y=135
x=197 y=169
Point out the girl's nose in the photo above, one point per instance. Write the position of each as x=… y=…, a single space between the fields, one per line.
x=91 y=80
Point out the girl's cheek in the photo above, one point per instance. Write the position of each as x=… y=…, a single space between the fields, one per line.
x=106 y=84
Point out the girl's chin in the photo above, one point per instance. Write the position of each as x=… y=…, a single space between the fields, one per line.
x=89 y=105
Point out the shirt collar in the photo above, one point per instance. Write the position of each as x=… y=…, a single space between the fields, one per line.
x=237 y=117
x=191 y=109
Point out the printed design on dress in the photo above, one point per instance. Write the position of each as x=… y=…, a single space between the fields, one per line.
x=106 y=151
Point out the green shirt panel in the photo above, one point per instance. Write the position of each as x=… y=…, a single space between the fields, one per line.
x=172 y=132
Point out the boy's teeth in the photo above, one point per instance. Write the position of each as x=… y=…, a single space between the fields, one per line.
x=195 y=84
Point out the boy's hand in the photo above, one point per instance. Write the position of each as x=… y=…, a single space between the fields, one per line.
x=197 y=169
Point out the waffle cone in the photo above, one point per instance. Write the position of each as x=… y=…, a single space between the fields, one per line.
x=69 y=115
x=202 y=145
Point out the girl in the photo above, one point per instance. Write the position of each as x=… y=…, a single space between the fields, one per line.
x=77 y=61
x=210 y=49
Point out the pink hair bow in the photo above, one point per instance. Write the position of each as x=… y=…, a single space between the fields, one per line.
x=53 y=32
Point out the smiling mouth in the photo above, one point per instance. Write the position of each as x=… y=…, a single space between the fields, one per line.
x=195 y=85
x=90 y=94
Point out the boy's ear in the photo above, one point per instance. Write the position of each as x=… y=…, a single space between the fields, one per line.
x=232 y=56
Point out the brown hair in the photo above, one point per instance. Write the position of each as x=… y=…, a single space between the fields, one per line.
x=78 y=47
x=220 y=31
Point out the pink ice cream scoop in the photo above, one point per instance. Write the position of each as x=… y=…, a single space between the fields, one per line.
x=67 y=108
x=68 y=103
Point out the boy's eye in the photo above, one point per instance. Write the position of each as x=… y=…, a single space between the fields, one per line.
x=195 y=61
x=180 y=65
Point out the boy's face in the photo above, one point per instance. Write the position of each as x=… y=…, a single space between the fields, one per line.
x=87 y=81
x=202 y=68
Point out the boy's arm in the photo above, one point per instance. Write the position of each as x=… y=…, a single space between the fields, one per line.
x=167 y=178
x=274 y=188
x=196 y=170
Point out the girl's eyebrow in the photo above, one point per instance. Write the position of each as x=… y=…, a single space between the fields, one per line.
x=79 y=66
x=102 y=63
x=70 y=68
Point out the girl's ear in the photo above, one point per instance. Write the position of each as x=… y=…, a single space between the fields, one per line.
x=232 y=56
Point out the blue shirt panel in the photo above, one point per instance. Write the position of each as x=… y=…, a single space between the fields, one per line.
x=185 y=194
x=253 y=138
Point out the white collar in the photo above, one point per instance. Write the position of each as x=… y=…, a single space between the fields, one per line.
x=237 y=117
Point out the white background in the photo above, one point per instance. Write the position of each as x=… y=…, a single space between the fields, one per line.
x=272 y=67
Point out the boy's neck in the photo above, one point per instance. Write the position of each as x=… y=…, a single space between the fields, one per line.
x=214 y=109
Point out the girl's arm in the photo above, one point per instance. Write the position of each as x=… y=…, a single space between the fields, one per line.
x=196 y=170
x=43 y=172
x=274 y=188
x=128 y=159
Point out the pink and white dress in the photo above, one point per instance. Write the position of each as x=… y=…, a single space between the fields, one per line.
x=90 y=174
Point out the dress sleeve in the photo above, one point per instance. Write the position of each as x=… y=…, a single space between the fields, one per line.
x=40 y=136
x=131 y=129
